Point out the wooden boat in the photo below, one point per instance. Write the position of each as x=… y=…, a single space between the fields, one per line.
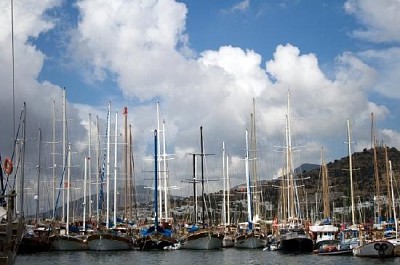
x=203 y=236
x=203 y=239
x=251 y=237
x=293 y=236
x=69 y=242
x=36 y=240
x=11 y=230
x=334 y=250
x=375 y=249
x=109 y=240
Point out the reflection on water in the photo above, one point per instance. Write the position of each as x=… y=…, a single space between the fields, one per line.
x=192 y=257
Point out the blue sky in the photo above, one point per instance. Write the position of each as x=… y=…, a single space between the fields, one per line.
x=205 y=61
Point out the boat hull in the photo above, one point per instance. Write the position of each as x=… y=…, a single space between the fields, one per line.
x=375 y=249
x=69 y=243
x=202 y=241
x=105 y=242
x=250 y=241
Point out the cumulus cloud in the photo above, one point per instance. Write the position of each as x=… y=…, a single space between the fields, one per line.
x=380 y=18
x=143 y=46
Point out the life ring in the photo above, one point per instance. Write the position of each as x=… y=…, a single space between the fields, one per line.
x=8 y=166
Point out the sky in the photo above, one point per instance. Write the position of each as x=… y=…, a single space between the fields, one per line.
x=204 y=62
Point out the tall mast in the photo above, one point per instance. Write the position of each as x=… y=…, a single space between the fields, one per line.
x=158 y=154
x=351 y=173
x=84 y=193
x=165 y=175
x=253 y=147
x=155 y=178
x=115 y=168
x=126 y=159
x=224 y=183
x=98 y=173
x=228 y=188
x=202 y=177
x=38 y=177
x=89 y=165
x=390 y=197
x=376 y=173
x=68 y=186
x=108 y=166
x=249 y=208
x=64 y=147
x=22 y=180
x=53 y=150
x=393 y=202
x=325 y=186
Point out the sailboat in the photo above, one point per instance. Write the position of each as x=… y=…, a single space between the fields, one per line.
x=36 y=237
x=228 y=240
x=107 y=238
x=64 y=240
x=293 y=236
x=250 y=237
x=378 y=246
x=156 y=236
x=324 y=233
x=201 y=237
x=12 y=224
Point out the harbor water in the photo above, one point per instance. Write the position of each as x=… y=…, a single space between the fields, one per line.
x=191 y=257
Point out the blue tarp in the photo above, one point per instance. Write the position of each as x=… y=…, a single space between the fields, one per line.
x=152 y=230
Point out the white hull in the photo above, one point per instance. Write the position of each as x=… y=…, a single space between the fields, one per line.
x=108 y=242
x=375 y=249
x=203 y=242
x=228 y=241
x=66 y=243
x=250 y=242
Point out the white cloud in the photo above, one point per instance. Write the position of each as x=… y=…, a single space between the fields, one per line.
x=144 y=47
x=380 y=18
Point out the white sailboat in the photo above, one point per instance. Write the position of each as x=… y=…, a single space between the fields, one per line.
x=324 y=233
x=115 y=238
x=229 y=239
x=250 y=237
x=64 y=240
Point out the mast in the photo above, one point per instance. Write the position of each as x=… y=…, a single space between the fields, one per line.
x=376 y=173
x=89 y=165
x=158 y=154
x=228 y=188
x=53 y=150
x=108 y=166
x=126 y=159
x=249 y=208
x=388 y=181
x=351 y=173
x=155 y=179
x=253 y=147
x=38 y=177
x=84 y=193
x=165 y=173
x=202 y=177
x=115 y=169
x=325 y=187
x=68 y=187
x=194 y=189
x=22 y=181
x=224 y=183
x=393 y=202
x=64 y=147
x=98 y=173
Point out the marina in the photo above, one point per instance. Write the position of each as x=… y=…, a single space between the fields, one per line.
x=229 y=171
